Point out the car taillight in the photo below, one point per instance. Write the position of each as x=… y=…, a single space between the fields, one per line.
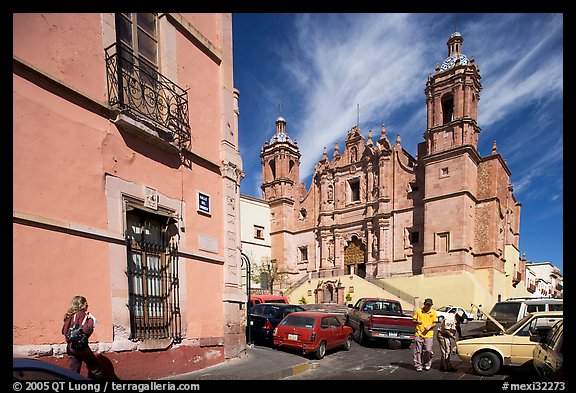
x=370 y=321
x=268 y=325
x=275 y=331
x=313 y=337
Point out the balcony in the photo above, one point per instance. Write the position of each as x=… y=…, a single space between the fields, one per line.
x=143 y=94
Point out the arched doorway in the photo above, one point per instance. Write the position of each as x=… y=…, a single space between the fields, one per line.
x=354 y=257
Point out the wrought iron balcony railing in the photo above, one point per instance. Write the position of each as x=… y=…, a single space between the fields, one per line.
x=135 y=87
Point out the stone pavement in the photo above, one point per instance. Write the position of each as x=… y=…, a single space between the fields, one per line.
x=265 y=363
x=259 y=363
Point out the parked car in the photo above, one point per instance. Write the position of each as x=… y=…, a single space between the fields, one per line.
x=444 y=310
x=548 y=355
x=512 y=310
x=509 y=347
x=264 y=317
x=374 y=318
x=31 y=369
x=312 y=332
x=258 y=299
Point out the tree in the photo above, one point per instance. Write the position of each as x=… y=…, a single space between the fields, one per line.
x=266 y=273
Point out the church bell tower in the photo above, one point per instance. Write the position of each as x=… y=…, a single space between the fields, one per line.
x=280 y=160
x=450 y=160
x=452 y=96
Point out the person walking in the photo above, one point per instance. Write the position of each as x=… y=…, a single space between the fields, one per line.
x=78 y=352
x=425 y=319
x=459 y=318
x=446 y=333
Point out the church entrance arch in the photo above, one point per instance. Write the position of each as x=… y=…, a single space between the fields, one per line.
x=354 y=257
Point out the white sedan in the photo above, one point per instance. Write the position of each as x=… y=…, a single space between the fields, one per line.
x=445 y=310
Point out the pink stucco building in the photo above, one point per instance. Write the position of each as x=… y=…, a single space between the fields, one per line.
x=375 y=211
x=126 y=174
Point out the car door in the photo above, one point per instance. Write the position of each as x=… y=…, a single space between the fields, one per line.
x=337 y=332
x=522 y=350
x=553 y=356
x=325 y=332
x=354 y=313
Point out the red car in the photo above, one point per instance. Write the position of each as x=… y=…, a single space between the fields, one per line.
x=312 y=333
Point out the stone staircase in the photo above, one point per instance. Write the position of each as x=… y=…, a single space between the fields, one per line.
x=361 y=288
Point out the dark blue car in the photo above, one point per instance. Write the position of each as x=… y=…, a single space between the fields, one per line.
x=32 y=369
x=265 y=317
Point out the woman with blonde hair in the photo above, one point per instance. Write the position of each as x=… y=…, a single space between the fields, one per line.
x=78 y=352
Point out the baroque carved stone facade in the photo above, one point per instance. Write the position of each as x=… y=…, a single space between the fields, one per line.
x=375 y=211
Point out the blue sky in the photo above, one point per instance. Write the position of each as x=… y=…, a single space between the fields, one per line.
x=329 y=70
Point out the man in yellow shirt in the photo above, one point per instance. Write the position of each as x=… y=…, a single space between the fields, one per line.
x=425 y=319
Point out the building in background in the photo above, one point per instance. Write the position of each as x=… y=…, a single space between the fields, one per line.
x=126 y=176
x=544 y=280
x=255 y=238
x=446 y=218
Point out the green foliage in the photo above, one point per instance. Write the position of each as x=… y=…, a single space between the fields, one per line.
x=302 y=300
x=348 y=297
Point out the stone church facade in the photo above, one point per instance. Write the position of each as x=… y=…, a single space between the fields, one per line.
x=375 y=211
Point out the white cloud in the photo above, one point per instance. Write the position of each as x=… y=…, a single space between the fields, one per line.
x=373 y=62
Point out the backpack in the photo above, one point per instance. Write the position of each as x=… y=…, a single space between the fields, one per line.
x=76 y=336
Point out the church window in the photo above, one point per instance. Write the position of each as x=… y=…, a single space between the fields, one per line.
x=354 y=190
x=291 y=166
x=330 y=193
x=304 y=253
x=448 y=109
x=444 y=172
x=273 y=169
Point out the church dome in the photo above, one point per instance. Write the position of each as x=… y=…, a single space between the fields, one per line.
x=454 y=52
x=451 y=61
x=280 y=137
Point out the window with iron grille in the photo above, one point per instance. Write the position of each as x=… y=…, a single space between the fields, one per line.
x=152 y=270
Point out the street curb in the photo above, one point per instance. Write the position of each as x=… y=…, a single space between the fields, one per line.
x=286 y=372
x=300 y=368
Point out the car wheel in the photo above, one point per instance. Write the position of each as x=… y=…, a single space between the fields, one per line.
x=348 y=343
x=440 y=319
x=486 y=363
x=362 y=336
x=464 y=320
x=321 y=351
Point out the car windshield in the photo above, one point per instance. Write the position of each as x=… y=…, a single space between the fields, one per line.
x=381 y=305
x=443 y=309
x=270 y=311
x=298 y=321
x=505 y=310
x=514 y=327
